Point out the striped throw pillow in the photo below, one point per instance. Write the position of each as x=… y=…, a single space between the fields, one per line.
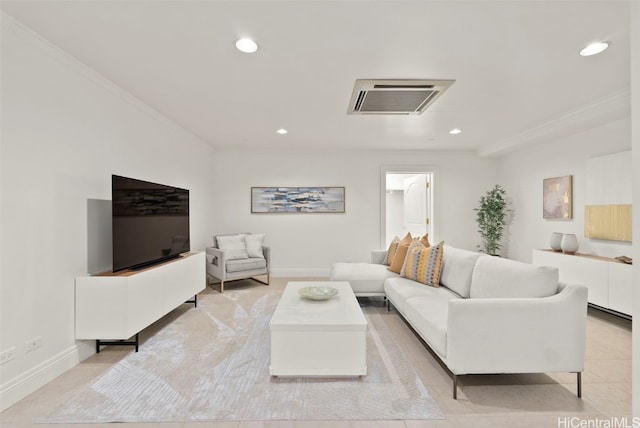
x=424 y=264
x=391 y=252
x=416 y=243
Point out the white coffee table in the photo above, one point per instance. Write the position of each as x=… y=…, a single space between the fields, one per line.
x=318 y=337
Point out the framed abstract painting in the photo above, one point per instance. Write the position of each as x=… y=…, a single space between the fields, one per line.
x=297 y=199
x=557 y=198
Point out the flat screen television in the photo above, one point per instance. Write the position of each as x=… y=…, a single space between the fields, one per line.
x=150 y=222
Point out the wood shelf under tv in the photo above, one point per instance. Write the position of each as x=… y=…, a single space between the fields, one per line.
x=129 y=272
x=111 y=308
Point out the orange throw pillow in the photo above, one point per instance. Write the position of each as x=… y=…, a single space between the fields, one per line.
x=401 y=255
x=393 y=249
x=407 y=239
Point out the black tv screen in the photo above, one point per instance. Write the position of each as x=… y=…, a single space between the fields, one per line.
x=150 y=222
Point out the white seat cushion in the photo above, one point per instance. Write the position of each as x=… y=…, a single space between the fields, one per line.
x=399 y=290
x=363 y=277
x=428 y=316
x=241 y=265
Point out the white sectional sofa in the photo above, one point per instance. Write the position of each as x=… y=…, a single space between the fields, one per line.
x=488 y=315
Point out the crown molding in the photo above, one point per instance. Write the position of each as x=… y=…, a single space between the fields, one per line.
x=602 y=111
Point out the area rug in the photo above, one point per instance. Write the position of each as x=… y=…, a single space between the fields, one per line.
x=212 y=363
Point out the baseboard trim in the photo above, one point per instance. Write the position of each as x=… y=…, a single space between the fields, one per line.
x=300 y=273
x=21 y=386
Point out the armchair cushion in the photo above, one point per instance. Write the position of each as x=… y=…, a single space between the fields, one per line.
x=215 y=237
x=233 y=246
x=241 y=265
x=254 y=245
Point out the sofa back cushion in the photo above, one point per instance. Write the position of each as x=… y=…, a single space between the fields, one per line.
x=498 y=277
x=457 y=268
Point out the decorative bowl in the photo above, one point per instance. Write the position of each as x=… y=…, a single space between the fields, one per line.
x=317 y=292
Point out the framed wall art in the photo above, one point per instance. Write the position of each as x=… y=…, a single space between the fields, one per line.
x=297 y=200
x=557 y=198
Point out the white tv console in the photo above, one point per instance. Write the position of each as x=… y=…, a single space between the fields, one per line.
x=608 y=280
x=113 y=307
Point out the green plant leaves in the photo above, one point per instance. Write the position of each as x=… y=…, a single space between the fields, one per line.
x=491 y=216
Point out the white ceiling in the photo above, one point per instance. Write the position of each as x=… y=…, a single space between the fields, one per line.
x=518 y=73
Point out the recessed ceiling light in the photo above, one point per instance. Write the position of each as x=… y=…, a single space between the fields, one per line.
x=246 y=45
x=455 y=131
x=282 y=131
x=594 y=48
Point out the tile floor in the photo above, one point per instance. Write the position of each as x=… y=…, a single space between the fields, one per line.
x=524 y=400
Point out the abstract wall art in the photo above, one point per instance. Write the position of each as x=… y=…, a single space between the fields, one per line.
x=557 y=198
x=297 y=200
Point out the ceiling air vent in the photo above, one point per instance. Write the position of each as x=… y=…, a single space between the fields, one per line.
x=395 y=96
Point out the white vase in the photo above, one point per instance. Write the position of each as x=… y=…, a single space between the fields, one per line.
x=556 y=241
x=569 y=243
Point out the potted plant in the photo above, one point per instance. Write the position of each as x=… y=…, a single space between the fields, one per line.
x=491 y=218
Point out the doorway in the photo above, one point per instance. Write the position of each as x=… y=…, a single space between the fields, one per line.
x=407 y=203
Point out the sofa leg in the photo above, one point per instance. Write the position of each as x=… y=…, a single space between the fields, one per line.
x=579 y=384
x=388 y=306
x=221 y=287
x=455 y=386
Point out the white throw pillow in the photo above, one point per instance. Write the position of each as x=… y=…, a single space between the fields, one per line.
x=233 y=246
x=254 y=245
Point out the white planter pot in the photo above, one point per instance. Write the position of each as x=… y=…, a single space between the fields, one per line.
x=556 y=241
x=569 y=243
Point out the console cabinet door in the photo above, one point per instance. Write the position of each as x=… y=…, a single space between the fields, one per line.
x=620 y=287
x=100 y=312
x=592 y=273
x=181 y=281
x=145 y=300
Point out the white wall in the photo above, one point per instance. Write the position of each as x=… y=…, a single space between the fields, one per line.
x=65 y=130
x=523 y=172
x=307 y=244
x=634 y=18
x=395 y=215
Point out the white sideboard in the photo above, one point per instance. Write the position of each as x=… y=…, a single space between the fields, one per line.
x=118 y=306
x=608 y=280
